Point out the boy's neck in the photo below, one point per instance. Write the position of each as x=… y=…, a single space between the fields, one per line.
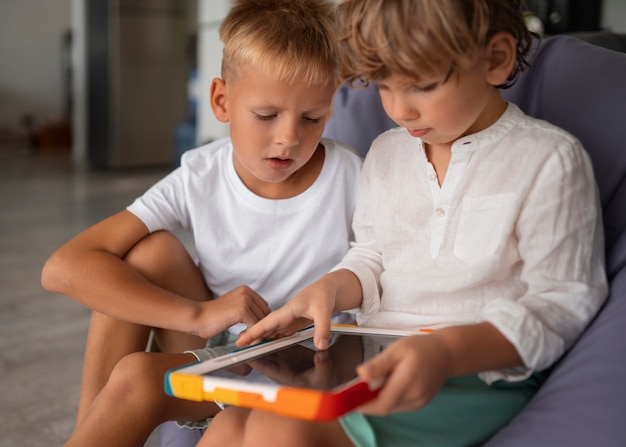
x=490 y=115
x=439 y=155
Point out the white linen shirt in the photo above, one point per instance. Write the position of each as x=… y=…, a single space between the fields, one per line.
x=513 y=236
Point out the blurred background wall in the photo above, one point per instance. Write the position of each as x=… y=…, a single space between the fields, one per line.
x=109 y=79
x=121 y=82
x=34 y=65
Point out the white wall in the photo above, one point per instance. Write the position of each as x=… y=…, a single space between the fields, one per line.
x=79 y=85
x=210 y=15
x=30 y=58
x=614 y=15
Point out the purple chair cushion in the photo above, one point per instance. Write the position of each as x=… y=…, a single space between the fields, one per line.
x=171 y=435
x=357 y=117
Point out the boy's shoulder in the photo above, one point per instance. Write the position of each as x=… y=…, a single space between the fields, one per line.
x=539 y=134
x=205 y=159
x=206 y=151
x=392 y=140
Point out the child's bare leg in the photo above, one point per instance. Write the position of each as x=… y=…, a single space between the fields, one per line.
x=108 y=341
x=133 y=403
x=231 y=426
x=162 y=259
x=255 y=428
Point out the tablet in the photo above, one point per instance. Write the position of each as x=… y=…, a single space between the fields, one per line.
x=289 y=376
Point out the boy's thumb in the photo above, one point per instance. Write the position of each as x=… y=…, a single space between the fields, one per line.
x=374 y=370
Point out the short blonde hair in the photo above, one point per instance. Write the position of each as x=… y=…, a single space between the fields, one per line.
x=421 y=38
x=295 y=40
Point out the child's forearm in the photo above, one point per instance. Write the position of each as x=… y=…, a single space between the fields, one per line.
x=107 y=284
x=92 y=269
x=348 y=290
x=477 y=348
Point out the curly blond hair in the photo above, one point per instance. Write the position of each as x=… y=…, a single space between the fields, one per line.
x=421 y=38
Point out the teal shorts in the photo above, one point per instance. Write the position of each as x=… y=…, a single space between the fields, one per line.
x=466 y=412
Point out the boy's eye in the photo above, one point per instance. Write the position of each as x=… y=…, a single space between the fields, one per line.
x=310 y=119
x=264 y=117
x=413 y=87
x=425 y=88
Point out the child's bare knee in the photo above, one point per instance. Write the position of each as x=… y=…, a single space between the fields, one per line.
x=163 y=259
x=157 y=246
x=228 y=424
x=135 y=375
x=268 y=429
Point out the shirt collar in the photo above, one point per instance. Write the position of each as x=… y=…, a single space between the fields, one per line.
x=494 y=133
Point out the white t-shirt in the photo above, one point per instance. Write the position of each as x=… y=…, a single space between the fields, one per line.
x=276 y=247
x=513 y=237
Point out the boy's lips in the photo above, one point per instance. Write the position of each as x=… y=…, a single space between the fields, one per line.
x=418 y=133
x=279 y=163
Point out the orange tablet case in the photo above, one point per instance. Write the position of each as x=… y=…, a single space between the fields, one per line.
x=189 y=382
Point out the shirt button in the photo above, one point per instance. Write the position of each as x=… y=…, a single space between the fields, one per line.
x=432 y=177
x=440 y=212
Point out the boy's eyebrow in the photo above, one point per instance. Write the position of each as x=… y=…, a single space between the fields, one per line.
x=445 y=79
x=321 y=109
x=417 y=79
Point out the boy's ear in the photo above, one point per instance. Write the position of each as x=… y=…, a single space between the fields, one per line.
x=219 y=103
x=501 y=53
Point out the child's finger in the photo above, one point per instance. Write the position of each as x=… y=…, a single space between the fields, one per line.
x=321 y=332
x=375 y=369
x=260 y=310
x=377 y=372
x=260 y=330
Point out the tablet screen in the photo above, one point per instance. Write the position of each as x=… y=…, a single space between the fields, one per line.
x=301 y=365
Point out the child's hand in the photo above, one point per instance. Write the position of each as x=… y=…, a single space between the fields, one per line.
x=240 y=305
x=309 y=305
x=413 y=370
x=333 y=292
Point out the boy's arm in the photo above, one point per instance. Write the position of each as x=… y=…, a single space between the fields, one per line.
x=334 y=292
x=415 y=368
x=90 y=269
x=560 y=241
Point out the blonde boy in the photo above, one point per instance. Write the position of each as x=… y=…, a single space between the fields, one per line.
x=269 y=208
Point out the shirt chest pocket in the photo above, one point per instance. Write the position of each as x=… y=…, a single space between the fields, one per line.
x=481 y=225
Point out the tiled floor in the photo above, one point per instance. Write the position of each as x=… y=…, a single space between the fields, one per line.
x=43 y=202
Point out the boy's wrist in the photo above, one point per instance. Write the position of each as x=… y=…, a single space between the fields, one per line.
x=189 y=318
x=476 y=348
x=346 y=289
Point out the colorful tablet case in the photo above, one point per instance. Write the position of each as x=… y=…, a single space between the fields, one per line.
x=195 y=381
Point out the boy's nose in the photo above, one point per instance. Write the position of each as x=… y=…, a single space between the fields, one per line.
x=403 y=111
x=288 y=133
